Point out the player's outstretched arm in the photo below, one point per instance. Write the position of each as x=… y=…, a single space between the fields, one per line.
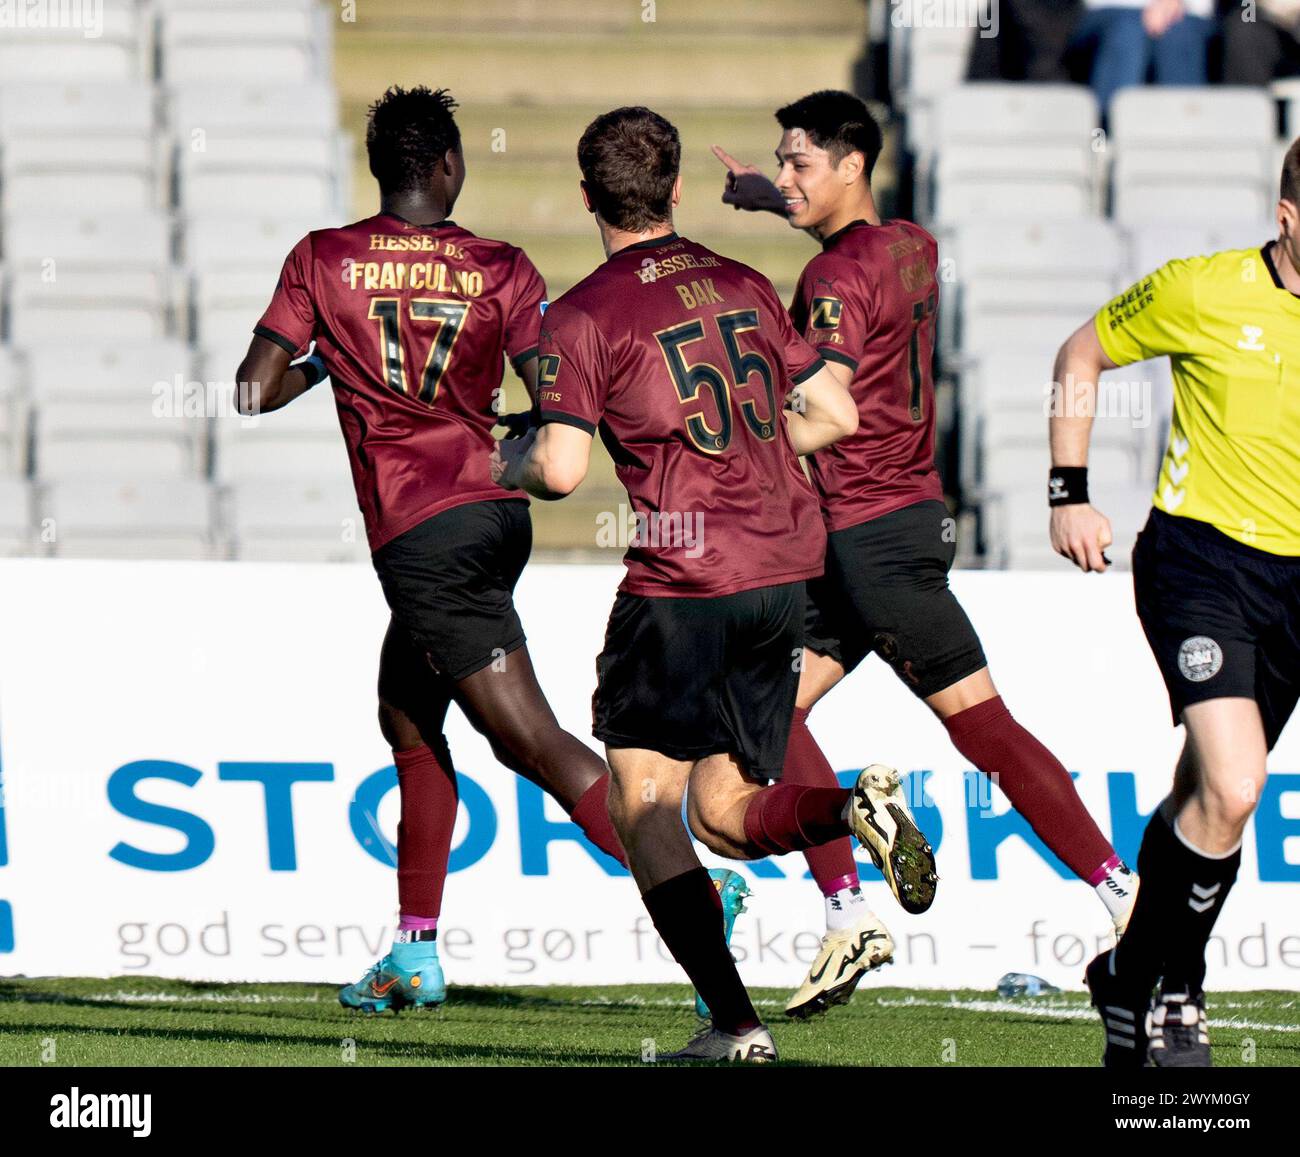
x=821 y=410
x=747 y=188
x=548 y=462
x=1078 y=531
x=266 y=380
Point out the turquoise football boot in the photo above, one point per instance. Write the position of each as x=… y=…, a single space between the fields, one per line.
x=410 y=976
x=734 y=891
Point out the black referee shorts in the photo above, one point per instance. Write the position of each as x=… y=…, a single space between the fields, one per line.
x=706 y=676
x=1222 y=618
x=886 y=590
x=450 y=582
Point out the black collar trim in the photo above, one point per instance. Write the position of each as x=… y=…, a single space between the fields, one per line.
x=445 y=223
x=840 y=232
x=1264 y=252
x=652 y=243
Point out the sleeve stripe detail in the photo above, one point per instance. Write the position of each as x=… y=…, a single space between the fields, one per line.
x=567 y=420
x=841 y=357
x=519 y=358
x=279 y=339
x=805 y=374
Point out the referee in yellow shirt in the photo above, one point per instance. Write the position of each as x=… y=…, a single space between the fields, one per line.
x=1216 y=573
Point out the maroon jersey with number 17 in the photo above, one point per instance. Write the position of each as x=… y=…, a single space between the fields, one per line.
x=869 y=300
x=683 y=360
x=413 y=324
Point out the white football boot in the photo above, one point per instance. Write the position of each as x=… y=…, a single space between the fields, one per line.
x=845 y=957
x=883 y=823
x=754 y=1047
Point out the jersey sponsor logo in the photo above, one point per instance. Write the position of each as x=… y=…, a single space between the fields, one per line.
x=1250 y=341
x=1199 y=658
x=825 y=313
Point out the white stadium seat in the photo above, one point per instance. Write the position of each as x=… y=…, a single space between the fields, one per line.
x=140 y=239
x=54 y=172
x=243 y=453
x=217 y=240
x=300 y=519
x=13 y=418
x=45 y=108
x=1184 y=118
x=130 y=518
x=80 y=438
x=128 y=306
x=15 y=517
x=228 y=303
x=224 y=108
x=105 y=41
x=245 y=42
x=1152 y=245
x=135 y=371
x=260 y=175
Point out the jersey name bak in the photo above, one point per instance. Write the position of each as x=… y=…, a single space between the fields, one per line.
x=870 y=300
x=412 y=323
x=1232 y=333
x=683 y=359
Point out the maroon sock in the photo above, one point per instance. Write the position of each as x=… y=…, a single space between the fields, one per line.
x=805 y=766
x=788 y=817
x=429 y=801
x=687 y=913
x=1032 y=778
x=591 y=814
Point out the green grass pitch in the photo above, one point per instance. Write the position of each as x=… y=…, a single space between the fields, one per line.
x=149 y=1021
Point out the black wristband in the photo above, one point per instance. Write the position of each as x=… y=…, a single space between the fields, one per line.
x=1067 y=485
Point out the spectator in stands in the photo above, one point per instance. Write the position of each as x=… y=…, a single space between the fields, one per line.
x=1132 y=37
x=1031 y=44
x=1261 y=41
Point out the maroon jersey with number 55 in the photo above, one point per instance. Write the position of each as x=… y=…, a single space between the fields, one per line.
x=683 y=360
x=413 y=324
x=869 y=300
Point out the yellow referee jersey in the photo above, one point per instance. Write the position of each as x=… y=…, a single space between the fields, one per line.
x=1232 y=333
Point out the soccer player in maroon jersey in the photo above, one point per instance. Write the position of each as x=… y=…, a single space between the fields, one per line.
x=413 y=317
x=869 y=302
x=684 y=360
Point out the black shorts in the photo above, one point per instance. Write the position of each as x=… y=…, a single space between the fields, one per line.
x=1222 y=618
x=886 y=590
x=694 y=677
x=450 y=583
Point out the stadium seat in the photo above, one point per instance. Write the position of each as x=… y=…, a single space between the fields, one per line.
x=116 y=517
x=45 y=108
x=16 y=536
x=220 y=240
x=1161 y=135
x=227 y=109
x=247 y=174
x=147 y=370
x=296 y=519
x=13 y=418
x=129 y=306
x=105 y=41
x=54 y=172
x=245 y=42
x=926 y=62
x=1018 y=519
x=79 y=437
x=1152 y=245
x=229 y=302
x=120 y=240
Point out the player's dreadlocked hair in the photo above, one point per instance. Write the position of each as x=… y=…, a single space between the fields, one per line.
x=629 y=159
x=835 y=121
x=1291 y=174
x=408 y=134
